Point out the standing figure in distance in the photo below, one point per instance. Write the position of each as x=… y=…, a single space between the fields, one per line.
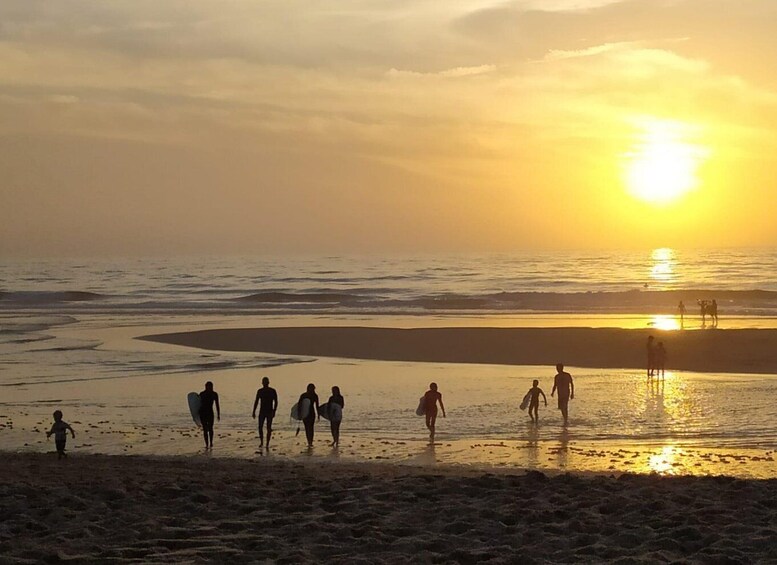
x=310 y=419
x=566 y=390
x=269 y=403
x=651 y=356
x=703 y=307
x=334 y=424
x=534 y=403
x=208 y=398
x=59 y=429
x=681 y=309
x=431 y=398
x=713 y=310
x=660 y=359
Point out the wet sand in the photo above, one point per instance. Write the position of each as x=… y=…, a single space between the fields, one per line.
x=98 y=509
x=714 y=350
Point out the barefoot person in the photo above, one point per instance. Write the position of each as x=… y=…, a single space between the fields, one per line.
x=566 y=390
x=431 y=398
x=310 y=419
x=208 y=398
x=59 y=430
x=269 y=403
x=534 y=401
x=651 y=356
x=660 y=359
x=334 y=425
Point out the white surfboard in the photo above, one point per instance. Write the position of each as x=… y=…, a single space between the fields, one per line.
x=421 y=410
x=194 y=407
x=300 y=412
x=525 y=401
x=331 y=411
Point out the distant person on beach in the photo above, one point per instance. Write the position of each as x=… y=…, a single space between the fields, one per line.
x=534 y=401
x=59 y=430
x=431 y=398
x=651 y=356
x=566 y=390
x=713 y=311
x=660 y=359
x=269 y=404
x=310 y=419
x=208 y=398
x=703 y=307
x=334 y=426
x=681 y=310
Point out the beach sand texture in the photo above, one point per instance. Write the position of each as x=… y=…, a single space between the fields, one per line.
x=722 y=351
x=100 y=509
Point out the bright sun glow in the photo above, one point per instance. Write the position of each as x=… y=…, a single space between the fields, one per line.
x=662 y=165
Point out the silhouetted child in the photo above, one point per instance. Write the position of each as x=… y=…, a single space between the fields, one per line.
x=534 y=401
x=59 y=428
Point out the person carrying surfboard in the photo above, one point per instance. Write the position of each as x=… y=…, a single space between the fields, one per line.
x=534 y=401
x=208 y=398
x=566 y=390
x=269 y=399
x=310 y=418
x=334 y=421
x=431 y=398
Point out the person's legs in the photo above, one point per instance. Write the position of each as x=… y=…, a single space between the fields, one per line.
x=335 y=426
x=269 y=431
x=60 y=448
x=262 y=418
x=563 y=405
x=309 y=423
x=534 y=412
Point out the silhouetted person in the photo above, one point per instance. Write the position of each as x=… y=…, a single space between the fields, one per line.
x=208 y=398
x=431 y=398
x=269 y=403
x=59 y=429
x=310 y=419
x=660 y=359
x=681 y=309
x=534 y=401
x=566 y=390
x=651 y=356
x=703 y=307
x=334 y=425
x=713 y=311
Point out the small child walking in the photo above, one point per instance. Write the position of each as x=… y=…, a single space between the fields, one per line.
x=534 y=401
x=59 y=429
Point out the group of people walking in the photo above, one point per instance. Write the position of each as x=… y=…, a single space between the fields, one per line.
x=707 y=308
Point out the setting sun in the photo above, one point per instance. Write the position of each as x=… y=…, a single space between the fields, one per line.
x=662 y=165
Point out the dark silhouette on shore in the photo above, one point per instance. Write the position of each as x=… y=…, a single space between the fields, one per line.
x=660 y=358
x=431 y=398
x=334 y=425
x=269 y=404
x=681 y=310
x=59 y=429
x=310 y=419
x=651 y=356
x=208 y=398
x=566 y=390
x=534 y=401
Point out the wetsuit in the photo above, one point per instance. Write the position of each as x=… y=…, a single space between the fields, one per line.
x=269 y=400
x=562 y=384
x=430 y=408
x=310 y=419
x=207 y=417
x=335 y=426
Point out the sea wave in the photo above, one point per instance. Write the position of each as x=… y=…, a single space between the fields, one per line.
x=49 y=297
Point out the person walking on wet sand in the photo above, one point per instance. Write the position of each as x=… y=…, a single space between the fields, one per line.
x=269 y=403
x=334 y=424
x=208 y=398
x=431 y=398
x=534 y=401
x=681 y=310
x=310 y=419
x=566 y=390
x=59 y=430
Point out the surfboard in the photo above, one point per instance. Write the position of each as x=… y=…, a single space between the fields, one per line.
x=421 y=410
x=525 y=401
x=300 y=412
x=194 y=407
x=331 y=411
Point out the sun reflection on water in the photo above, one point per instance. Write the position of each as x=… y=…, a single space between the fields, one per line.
x=664 y=260
x=664 y=322
x=664 y=462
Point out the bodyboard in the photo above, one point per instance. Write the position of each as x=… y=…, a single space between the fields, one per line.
x=525 y=401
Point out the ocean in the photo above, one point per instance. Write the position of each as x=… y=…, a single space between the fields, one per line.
x=67 y=330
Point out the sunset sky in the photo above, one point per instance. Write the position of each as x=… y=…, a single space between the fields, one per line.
x=137 y=127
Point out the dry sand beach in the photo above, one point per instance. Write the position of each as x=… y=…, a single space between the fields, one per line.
x=103 y=509
x=722 y=351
